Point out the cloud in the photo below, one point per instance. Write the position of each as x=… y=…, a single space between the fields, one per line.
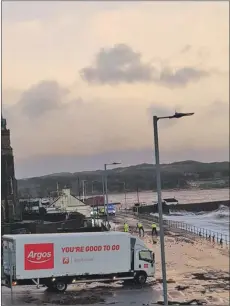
x=186 y=48
x=181 y=77
x=120 y=64
x=117 y=64
x=42 y=98
x=218 y=108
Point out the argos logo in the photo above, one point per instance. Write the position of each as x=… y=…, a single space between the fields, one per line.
x=39 y=256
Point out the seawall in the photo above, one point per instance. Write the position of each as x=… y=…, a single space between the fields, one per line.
x=191 y=207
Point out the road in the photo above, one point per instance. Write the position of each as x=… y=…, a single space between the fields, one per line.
x=93 y=294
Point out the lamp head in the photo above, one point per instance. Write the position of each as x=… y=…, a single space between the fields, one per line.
x=180 y=115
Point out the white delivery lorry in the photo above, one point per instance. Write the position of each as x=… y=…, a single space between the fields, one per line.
x=56 y=260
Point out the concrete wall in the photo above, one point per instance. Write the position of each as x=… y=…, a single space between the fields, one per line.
x=192 y=207
x=42 y=228
x=76 y=220
x=196 y=207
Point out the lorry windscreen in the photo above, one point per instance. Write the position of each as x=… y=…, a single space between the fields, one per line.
x=146 y=256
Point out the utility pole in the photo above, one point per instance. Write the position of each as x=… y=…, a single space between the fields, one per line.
x=138 y=201
x=79 y=188
x=83 y=190
x=125 y=199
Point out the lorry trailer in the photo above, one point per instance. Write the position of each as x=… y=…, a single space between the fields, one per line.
x=57 y=260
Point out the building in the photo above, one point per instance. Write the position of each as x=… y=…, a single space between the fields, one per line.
x=95 y=201
x=8 y=181
x=69 y=203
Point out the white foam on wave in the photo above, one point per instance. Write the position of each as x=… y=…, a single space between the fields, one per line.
x=221 y=213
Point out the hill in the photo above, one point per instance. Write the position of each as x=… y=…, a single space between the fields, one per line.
x=182 y=174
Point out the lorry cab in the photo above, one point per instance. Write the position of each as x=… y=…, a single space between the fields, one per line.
x=143 y=260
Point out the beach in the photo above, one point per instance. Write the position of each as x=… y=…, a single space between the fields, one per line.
x=196 y=269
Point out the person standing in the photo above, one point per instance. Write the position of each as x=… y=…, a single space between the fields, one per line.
x=154 y=229
x=126 y=227
x=141 y=229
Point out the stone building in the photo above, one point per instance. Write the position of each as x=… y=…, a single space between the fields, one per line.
x=8 y=181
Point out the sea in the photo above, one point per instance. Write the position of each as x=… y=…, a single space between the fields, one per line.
x=217 y=221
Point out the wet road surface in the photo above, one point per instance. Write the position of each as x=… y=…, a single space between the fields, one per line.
x=94 y=294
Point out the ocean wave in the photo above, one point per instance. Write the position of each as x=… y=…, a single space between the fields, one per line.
x=221 y=213
x=180 y=213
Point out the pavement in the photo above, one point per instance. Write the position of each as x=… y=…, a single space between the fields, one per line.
x=94 y=294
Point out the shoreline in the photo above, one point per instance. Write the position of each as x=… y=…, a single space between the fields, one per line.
x=196 y=269
x=164 y=190
x=169 y=190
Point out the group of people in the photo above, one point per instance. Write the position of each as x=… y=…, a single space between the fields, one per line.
x=140 y=228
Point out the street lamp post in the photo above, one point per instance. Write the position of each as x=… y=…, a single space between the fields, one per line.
x=125 y=198
x=93 y=198
x=93 y=204
x=106 y=185
x=83 y=190
x=160 y=209
x=103 y=190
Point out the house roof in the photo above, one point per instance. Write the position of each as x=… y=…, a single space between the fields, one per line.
x=70 y=203
x=170 y=200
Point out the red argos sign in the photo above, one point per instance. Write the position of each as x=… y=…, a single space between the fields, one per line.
x=39 y=256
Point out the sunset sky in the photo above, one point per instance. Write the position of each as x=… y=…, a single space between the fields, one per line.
x=81 y=82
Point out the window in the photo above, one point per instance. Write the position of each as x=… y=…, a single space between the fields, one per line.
x=146 y=256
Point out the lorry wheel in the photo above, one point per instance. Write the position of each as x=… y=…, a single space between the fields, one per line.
x=141 y=278
x=60 y=286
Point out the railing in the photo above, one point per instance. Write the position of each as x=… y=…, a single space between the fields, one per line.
x=212 y=236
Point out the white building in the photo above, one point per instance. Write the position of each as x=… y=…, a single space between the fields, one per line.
x=67 y=202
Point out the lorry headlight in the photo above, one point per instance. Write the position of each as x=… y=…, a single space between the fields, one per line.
x=14 y=283
x=53 y=279
x=74 y=281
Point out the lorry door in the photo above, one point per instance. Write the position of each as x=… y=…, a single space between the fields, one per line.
x=132 y=245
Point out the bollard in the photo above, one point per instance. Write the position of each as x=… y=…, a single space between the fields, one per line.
x=210 y=235
x=221 y=240
x=213 y=238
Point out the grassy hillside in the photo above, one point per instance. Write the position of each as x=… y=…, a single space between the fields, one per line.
x=174 y=175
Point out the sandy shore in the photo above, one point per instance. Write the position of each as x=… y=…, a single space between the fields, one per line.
x=196 y=269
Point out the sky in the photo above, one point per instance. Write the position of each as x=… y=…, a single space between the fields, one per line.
x=82 y=81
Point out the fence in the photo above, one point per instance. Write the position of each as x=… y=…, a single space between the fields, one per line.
x=212 y=236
